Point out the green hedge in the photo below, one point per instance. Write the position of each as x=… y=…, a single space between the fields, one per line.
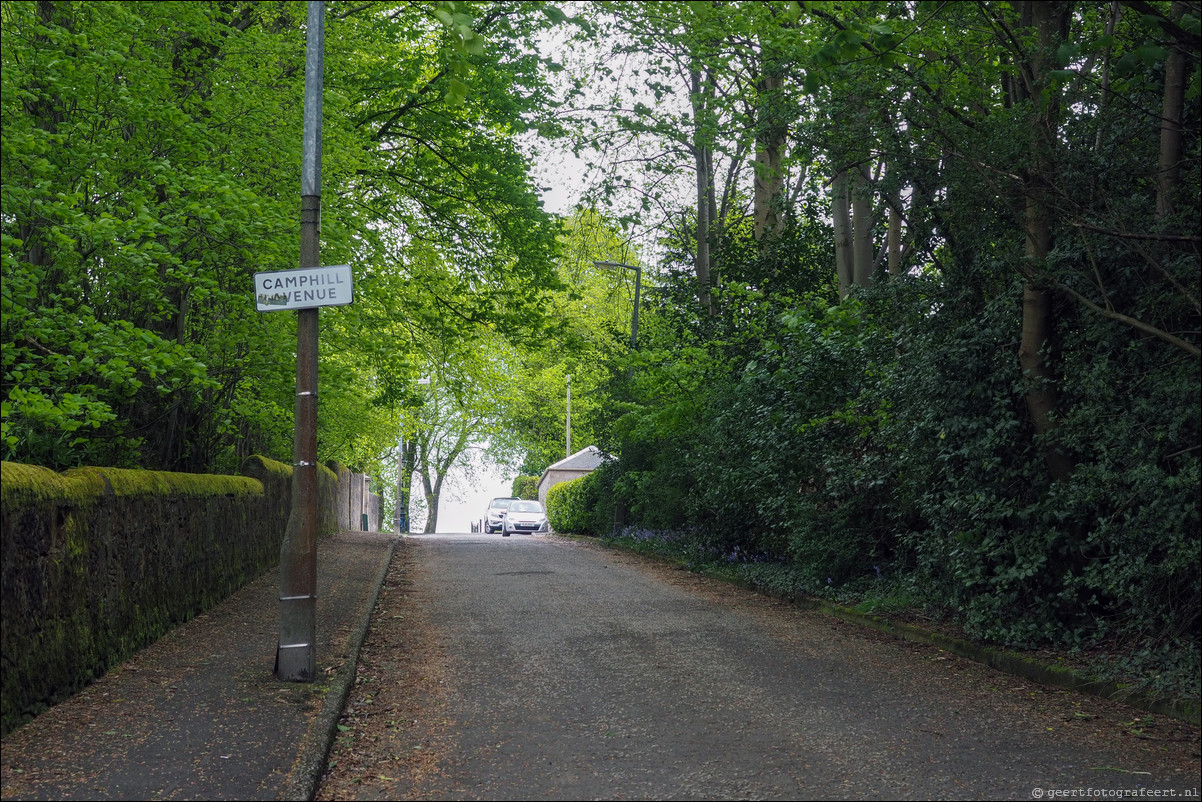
x=573 y=507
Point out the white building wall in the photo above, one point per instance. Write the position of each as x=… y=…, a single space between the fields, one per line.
x=552 y=478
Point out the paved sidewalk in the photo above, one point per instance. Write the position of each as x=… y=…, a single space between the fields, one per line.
x=199 y=715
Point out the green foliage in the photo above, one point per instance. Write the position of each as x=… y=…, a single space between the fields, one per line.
x=525 y=487
x=593 y=307
x=122 y=298
x=886 y=439
x=149 y=168
x=887 y=448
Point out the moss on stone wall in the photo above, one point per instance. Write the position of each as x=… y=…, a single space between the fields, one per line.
x=327 y=502
x=255 y=465
x=23 y=484
x=123 y=482
x=100 y=562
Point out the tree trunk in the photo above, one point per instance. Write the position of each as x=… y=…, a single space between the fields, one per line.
x=861 y=227
x=769 y=143
x=1038 y=327
x=893 y=234
x=841 y=219
x=1050 y=21
x=431 y=484
x=408 y=458
x=434 y=469
x=1170 y=123
x=701 y=156
x=1115 y=13
x=893 y=239
x=433 y=491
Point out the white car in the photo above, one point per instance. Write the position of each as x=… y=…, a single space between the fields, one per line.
x=525 y=516
x=495 y=517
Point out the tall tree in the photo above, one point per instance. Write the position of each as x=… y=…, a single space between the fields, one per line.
x=1048 y=22
x=592 y=346
x=708 y=122
x=841 y=221
x=1172 y=107
x=129 y=337
x=128 y=329
x=444 y=436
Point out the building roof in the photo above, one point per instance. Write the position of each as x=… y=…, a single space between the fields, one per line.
x=583 y=460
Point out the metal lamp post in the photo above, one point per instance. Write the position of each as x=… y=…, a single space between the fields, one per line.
x=296 y=656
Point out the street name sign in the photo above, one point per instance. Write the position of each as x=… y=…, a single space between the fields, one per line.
x=303 y=288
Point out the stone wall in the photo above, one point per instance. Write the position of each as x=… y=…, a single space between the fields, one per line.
x=355 y=500
x=100 y=562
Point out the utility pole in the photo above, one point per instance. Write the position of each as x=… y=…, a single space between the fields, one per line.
x=296 y=653
x=569 y=415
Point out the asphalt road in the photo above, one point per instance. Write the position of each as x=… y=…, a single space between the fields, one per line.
x=573 y=672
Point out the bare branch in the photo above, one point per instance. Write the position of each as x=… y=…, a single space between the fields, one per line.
x=1130 y=321
x=1129 y=235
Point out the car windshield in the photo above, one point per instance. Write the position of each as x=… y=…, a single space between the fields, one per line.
x=525 y=506
x=501 y=503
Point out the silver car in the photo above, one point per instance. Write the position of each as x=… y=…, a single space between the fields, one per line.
x=525 y=516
